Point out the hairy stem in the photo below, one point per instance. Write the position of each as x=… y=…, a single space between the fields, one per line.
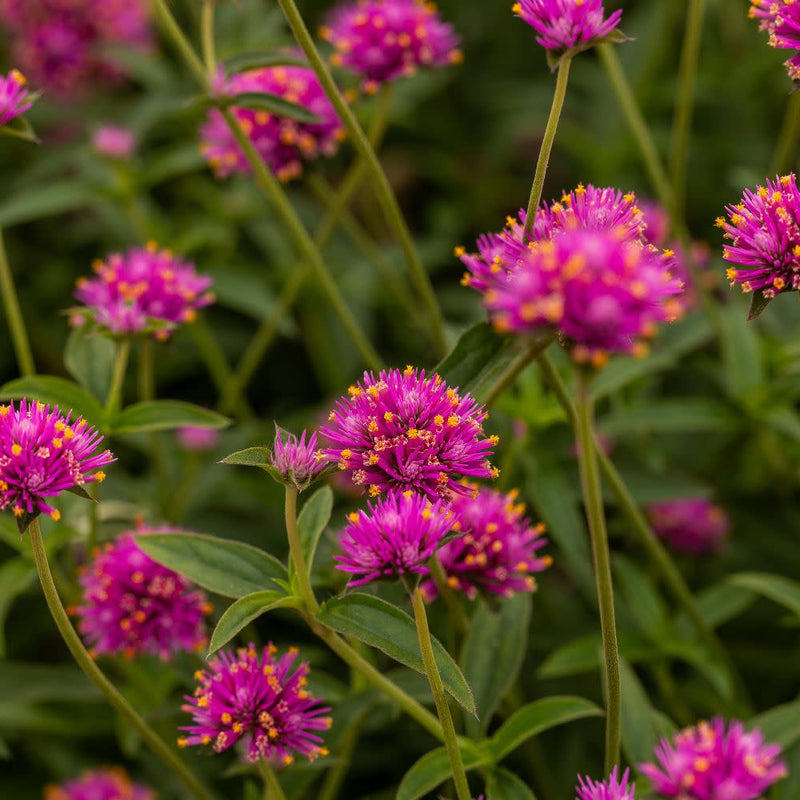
x=16 y=323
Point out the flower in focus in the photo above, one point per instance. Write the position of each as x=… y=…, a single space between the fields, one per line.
x=258 y=701
x=497 y=553
x=142 y=290
x=612 y=789
x=691 y=526
x=100 y=784
x=114 y=141
x=405 y=431
x=282 y=142
x=133 y=606
x=393 y=538
x=15 y=99
x=381 y=40
x=43 y=453
x=297 y=460
x=564 y=25
x=708 y=762
x=781 y=19
x=63 y=45
x=763 y=231
x=196 y=439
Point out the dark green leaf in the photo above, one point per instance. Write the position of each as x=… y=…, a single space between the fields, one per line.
x=434 y=768
x=68 y=396
x=780 y=725
x=248 y=61
x=244 y=611
x=311 y=521
x=504 y=785
x=741 y=355
x=89 y=358
x=639 y=736
x=672 y=416
x=757 y=304
x=584 y=654
x=274 y=104
x=777 y=588
x=37 y=202
x=641 y=597
x=165 y=415
x=719 y=604
x=39 y=683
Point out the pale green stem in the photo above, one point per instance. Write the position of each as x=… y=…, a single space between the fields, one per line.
x=439 y=697
x=296 y=552
x=383 y=189
x=785 y=148
x=92 y=671
x=16 y=324
x=171 y=28
x=458 y=617
x=682 y=122
x=272 y=788
x=562 y=78
x=593 y=500
x=114 y=396
x=207 y=34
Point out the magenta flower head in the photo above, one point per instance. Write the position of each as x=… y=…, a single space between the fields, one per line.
x=710 y=762
x=381 y=40
x=394 y=538
x=567 y=25
x=692 y=526
x=42 y=454
x=298 y=461
x=496 y=555
x=100 y=784
x=145 y=290
x=781 y=19
x=114 y=141
x=612 y=789
x=260 y=702
x=197 y=440
x=15 y=99
x=282 y=142
x=133 y=606
x=403 y=431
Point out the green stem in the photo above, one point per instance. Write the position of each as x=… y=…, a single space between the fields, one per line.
x=507 y=377
x=92 y=671
x=173 y=31
x=383 y=189
x=593 y=500
x=682 y=123
x=562 y=77
x=455 y=610
x=785 y=147
x=296 y=552
x=207 y=35
x=639 y=128
x=16 y=324
x=118 y=376
x=272 y=789
x=439 y=697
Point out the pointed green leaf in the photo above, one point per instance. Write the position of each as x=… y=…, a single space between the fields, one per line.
x=165 y=415
x=434 y=769
x=504 y=785
x=89 y=358
x=68 y=396
x=250 y=457
x=244 y=611
x=311 y=521
x=36 y=202
x=780 y=725
x=757 y=304
x=639 y=736
x=274 y=104
x=584 y=654
x=777 y=588
x=390 y=630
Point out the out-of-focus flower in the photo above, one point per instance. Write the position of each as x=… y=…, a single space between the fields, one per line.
x=405 y=431
x=42 y=454
x=134 y=606
x=381 y=40
x=781 y=18
x=564 y=25
x=144 y=289
x=196 y=439
x=15 y=99
x=258 y=701
x=710 y=762
x=497 y=552
x=393 y=538
x=611 y=789
x=63 y=45
x=692 y=525
x=297 y=460
x=100 y=784
x=114 y=141
x=284 y=143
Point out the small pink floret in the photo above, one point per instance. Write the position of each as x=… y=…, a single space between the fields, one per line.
x=114 y=141
x=110 y=783
x=692 y=525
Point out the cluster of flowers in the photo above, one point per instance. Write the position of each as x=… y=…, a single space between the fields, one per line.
x=781 y=19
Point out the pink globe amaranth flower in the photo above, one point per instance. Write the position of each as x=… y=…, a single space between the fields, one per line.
x=282 y=142
x=381 y=40
x=403 y=431
x=612 y=789
x=763 y=231
x=109 y=783
x=42 y=454
x=564 y=25
x=692 y=525
x=196 y=439
x=114 y=141
x=394 y=538
x=133 y=606
x=15 y=99
x=781 y=19
x=63 y=44
x=258 y=701
x=298 y=460
x=497 y=552
x=142 y=290
x=708 y=762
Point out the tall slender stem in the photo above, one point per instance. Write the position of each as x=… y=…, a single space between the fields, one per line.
x=16 y=323
x=272 y=789
x=562 y=77
x=92 y=671
x=439 y=697
x=506 y=378
x=593 y=500
x=383 y=189
x=296 y=551
x=174 y=32
x=114 y=396
x=786 y=146
x=207 y=34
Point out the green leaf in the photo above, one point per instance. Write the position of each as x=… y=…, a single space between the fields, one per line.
x=741 y=353
x=719 y=604
x=68 y=396
x=311 y=521
x=641 y=598
x=165 y=415
x=37 y=202
x=244 y=611
x=223 y=566
x=89 y=358
x=45 y=683
x=247 y=61
x=780 y=725
x=639 y=736
x=584 y=654
x=390 y=630
x=434 y=768
x=478 y=354
x=757 y=304
x=274 y=104
x=492 y=655
x=504 y=785
x=536 y=717
x=672 y=416
x=777 y=588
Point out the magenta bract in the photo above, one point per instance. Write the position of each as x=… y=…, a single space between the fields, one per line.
x=612 y=789
x=14 y=97
x=298 y=460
